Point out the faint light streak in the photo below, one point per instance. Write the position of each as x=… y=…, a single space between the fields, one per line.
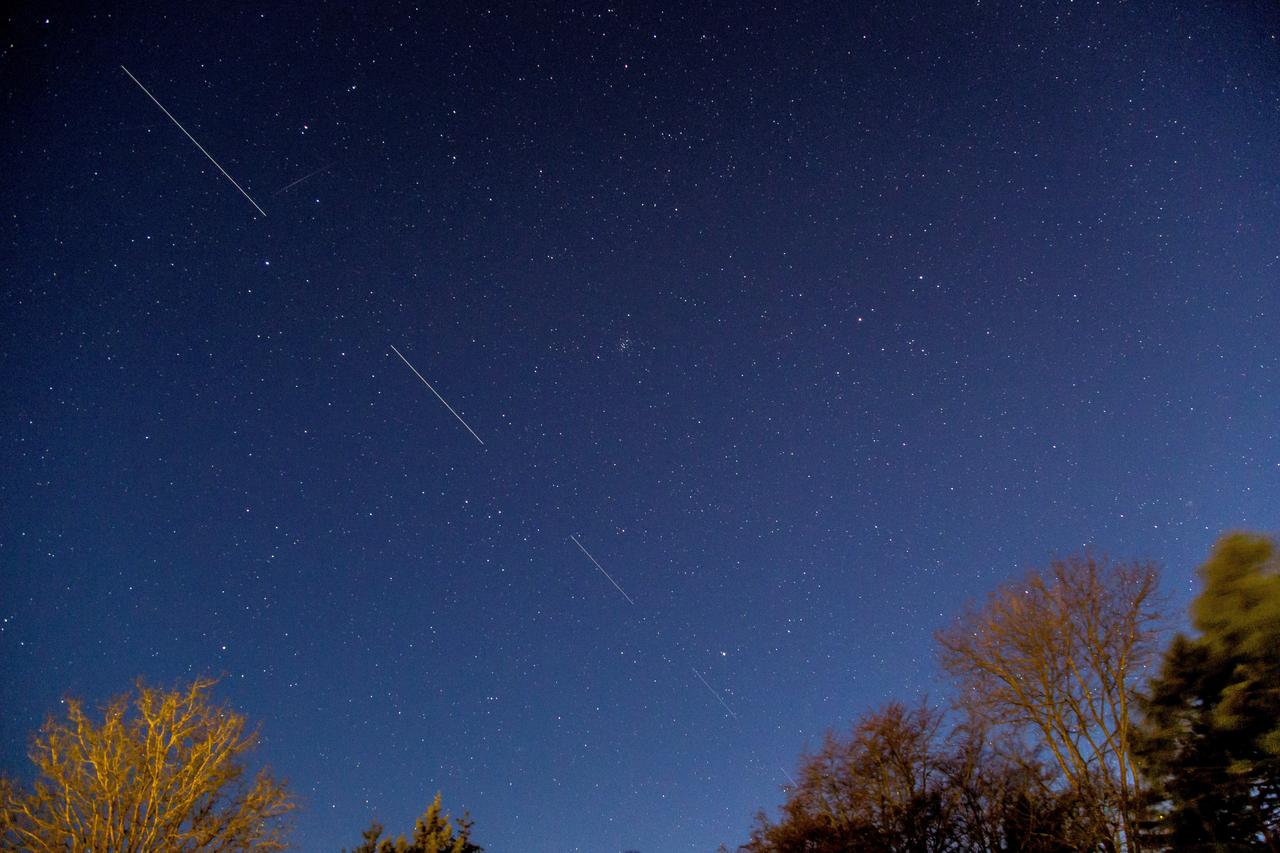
x=193 y=139
x=601 y=568
x=714 y=693
x=438 y=397
x=303 y=178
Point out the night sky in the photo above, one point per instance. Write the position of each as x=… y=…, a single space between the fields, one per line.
x=808 y=322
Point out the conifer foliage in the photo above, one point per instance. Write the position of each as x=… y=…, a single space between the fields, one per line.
x=432 y=834
x=1073 y=729
x=1211 y=735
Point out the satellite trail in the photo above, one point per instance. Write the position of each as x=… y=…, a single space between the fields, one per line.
x=303 y=178
x=437 y=393
x=714 y=693
x=193 y=139
x=601 y=568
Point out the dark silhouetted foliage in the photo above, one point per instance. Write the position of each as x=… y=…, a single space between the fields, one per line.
x=1211 y=735
x=897 y=784
x=432 y=834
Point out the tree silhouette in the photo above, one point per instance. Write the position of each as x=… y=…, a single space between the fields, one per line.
x=432 y=834
x=1211 y=737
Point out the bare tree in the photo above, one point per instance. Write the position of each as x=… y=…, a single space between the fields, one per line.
x=1006 y=798
x=1056 y=656
x=900 y=783
x=161 y=772
x=883 y=788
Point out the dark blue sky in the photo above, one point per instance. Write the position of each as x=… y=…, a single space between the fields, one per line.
x=809 y=322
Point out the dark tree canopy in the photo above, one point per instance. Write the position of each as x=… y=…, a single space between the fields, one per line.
x=1074 y=733
x=433 y=833
x=899 y=783
x=1211 y=738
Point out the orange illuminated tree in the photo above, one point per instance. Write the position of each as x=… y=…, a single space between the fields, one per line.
x=163 y=770
x=1057 y=657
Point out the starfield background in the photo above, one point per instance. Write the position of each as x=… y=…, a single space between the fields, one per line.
x=807 y=322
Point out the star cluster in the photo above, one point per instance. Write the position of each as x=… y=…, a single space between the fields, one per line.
x=807 y=322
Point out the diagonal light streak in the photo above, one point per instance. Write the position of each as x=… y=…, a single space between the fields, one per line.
x=303 y=178
x=437 y=393
x=601 y=568
x=193 y=139
x=714 y=693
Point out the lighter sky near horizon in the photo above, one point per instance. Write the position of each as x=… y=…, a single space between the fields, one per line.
x=758 y=340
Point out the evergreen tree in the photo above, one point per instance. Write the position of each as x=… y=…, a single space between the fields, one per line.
x=433 y=833
x=1211 y=729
